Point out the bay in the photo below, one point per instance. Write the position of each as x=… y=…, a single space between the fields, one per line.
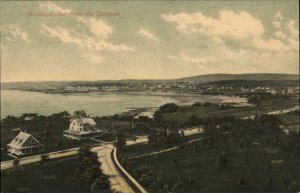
x=15 y=102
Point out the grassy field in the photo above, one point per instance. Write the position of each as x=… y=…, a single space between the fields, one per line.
x=275 y=103
x=252 y=164
x=142 y=149
x=53 y=176
x=290 y=121
x=181 y=118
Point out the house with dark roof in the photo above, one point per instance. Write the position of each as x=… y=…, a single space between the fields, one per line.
x=24 y=144
x=144 y=117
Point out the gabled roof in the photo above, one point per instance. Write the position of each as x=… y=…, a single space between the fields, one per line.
x=89 y=121
x=21 y=138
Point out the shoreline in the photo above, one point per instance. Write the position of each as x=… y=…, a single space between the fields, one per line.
x=178 y=98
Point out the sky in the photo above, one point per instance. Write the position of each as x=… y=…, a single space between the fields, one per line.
x=111 y=40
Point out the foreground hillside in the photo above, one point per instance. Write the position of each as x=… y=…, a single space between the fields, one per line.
x=236 y=156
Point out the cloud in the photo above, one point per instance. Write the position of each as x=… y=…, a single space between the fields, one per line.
x=292 y=29
x=96 y=40
x=53 y=7
x=62 y=34
x=92 y=58
x=97 y=27
x=292 y=35
x=279 y=16
x=193 y=60
x=12 y=33
x=271 y=44
x=230 y=27
x=276 y=24
x=65 y=36
x=294 y=43
x=147 y=34
x=280 y=35
x=237 y=25
x=199 y=62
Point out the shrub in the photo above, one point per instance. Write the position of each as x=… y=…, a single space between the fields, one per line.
x=168 y=108
x=157 y=115
x=197 y=104
x=44 y=158
x=16 y=162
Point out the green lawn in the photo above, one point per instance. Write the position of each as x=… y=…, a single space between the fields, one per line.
x=290 y=121
x=181 y=118
x=141 y=149
x=54 y=176
x=197 y=166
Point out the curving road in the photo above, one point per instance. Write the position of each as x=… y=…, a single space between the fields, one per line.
x=108 y=167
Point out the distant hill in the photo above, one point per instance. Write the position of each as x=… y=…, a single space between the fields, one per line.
x=218 y=79
x=222 y=77
x=256 y=83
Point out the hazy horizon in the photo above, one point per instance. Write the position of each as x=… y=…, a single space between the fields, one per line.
x=152 y=40
x=149 y=79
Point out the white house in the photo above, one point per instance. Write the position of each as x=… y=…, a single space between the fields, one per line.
x=82 y=128
x=24 y=144
x=144 y=116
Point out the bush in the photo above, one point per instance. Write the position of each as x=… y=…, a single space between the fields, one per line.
x=169 y=108
x=194 y=120
x=197 y=104
x=44 y=158
x=16 y=162
x=207 y=104
x=88 y=172
x=157 y=115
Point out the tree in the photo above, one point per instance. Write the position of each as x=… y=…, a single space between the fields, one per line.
x=182 y=134
x=79 y=114
x=16 y=162
x=120 y=144
x=88 y=172
x=47 y=132
x=44 y=158
x=197 y=104
x=83 y=151
x=169 y=108
x=58 y=143
x=223 y=160
x=194 y=120
x=99 y=185
x=157 y=116
x=120 y=141
x=242 y=181
x=10 y=119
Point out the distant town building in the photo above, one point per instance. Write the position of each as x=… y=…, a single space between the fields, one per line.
x=28 y=118
x=82 y=128
x=24 y=144
x=144 y=117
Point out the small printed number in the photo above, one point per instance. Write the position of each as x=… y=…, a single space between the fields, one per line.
x=276 y=161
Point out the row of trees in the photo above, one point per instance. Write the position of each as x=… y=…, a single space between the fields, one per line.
x=88 y=172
